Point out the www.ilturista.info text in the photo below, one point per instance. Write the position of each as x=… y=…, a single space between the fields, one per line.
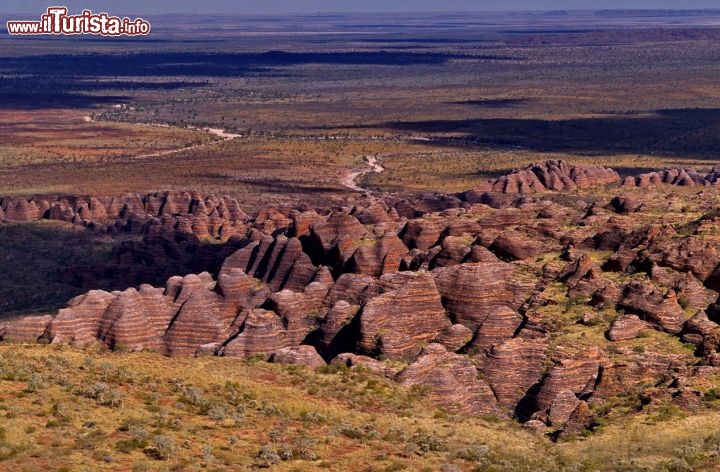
x=57 y=21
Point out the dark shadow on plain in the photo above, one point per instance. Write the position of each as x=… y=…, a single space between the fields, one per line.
x=689 y=133
x=78 y=80
x=194 y=64
x=493 y=102
x=45 y=264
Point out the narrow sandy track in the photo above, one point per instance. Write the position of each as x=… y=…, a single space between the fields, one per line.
x=350 y=179
x=221 y=133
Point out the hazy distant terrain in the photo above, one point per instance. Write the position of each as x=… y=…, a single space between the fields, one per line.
x=634 y=88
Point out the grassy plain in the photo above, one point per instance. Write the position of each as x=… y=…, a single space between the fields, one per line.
x=443 y=106
x=69 y=409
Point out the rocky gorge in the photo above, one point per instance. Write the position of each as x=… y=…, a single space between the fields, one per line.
x=551 y=294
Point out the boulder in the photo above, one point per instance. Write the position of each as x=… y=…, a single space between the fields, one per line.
x=455 y=337
x=299 y=355
x=627 y=327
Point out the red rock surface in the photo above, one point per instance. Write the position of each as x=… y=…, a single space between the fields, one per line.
x=513 y=367
x=299 y=355
x=25 y=328
x=554 y=176
x=680 y=177
x=78 y=323
x=627 y=327
x=339 y=229
x=472 y=291
x=661 y=310
x=136 y=319
x=381 y=257
x=262 y=334
x=453 y=251
x=336 y=333
x=577 y=375
x=579 y=420
x=392 y=277
x=354 y=289
x=698 y=327
x=514 y=245
x=300 y=312
x=211 y=217
x=452 y=379
x=423 y=233
x=397 y=323
x=500 y=325
x=562 y=408
x=455 y=337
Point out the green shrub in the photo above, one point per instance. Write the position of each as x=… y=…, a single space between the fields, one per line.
x=164 y=446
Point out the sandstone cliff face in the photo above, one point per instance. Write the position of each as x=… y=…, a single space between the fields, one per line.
x=135 y=319
x=280 y=262
x=455 y=337
x=191 y=311
x=512 y=368
x=24 y=329
x=336 y=332
x=500 y=325
x=577 y=375
x=453 y=251
x=423 y=233
x=419 y=281
x=396 y=323
x=78 y=323
x=381 y=257
x=554 y=176
x=261 y=334
x=580 y=419
x=470 y=292
x=452 y=379
x=514 y=245
x=300 y=312
x=698 y=328
x=662 y=310
x=563 y=405
x=206 y=217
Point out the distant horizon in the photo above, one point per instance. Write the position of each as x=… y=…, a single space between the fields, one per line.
x=32 y=14
x=318 y=7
